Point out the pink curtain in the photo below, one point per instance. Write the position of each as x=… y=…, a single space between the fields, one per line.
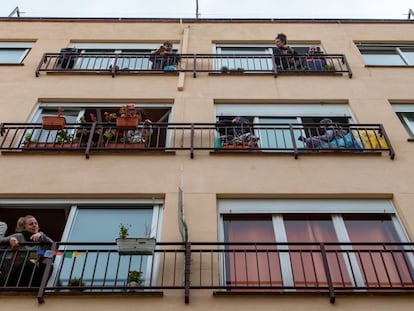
x=307 y=264
x=252 y=268
x=381 y=266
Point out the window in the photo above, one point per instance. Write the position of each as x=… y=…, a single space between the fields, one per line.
x=387 y=55
x=244 y=56
x=405 y=113
x=102 y=56
x=359 y=262
x=90 y=222
x=76 y=112
x=13 y=52
x=274 y=136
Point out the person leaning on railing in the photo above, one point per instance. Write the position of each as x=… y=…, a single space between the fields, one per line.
x=164 y=58
x=29 y=265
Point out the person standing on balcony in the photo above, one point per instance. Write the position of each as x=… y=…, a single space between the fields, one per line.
x=164 y=58
x=285 y=56
x=29 y=265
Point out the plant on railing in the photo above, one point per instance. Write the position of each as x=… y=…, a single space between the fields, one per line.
x=134 y=246
x=126 y=118
x=124 y=230
x=54 y=122
x=76 y=282
x=135 y=278
x=328 y=67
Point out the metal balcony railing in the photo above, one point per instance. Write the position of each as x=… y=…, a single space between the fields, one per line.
x=115 y=64
x=271 y=138
x=224 y=268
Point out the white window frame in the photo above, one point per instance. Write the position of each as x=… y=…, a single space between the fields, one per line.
x=397 y=48
x=156 y=226
x=334 y=207
x=401 y=110
x=24 y=46
x=297 y=111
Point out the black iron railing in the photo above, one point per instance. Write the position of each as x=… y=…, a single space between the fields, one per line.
x=116 y=64
x=276 y=138
x=225 y=268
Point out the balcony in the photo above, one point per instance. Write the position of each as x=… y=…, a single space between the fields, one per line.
x=327 y=269
x=238 y=64
x=167 y=138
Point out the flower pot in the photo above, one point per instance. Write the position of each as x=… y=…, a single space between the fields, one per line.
x=129 y=123
x=134 y=286
x=136 y=246
x=55 y=146
x=125 y=146
x=238 y=146
x=53 y=123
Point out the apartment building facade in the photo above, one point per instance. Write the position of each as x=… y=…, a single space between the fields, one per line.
x=246 y=209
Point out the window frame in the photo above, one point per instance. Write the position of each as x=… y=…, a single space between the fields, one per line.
x=71 y=208
x=25 y=48
x=385 y=49
x=401 y=111
x=333 y=207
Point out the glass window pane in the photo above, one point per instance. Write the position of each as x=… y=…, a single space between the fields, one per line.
x=307 y=265
x=102 y=225
x=246 y=63
x=383 y=59
x=276 y=136
x=407 y=118
x=12 y=56
x=251 y=268
x=409 y=56
x=381 y=268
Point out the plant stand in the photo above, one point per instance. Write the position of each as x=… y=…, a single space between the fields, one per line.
x=124 y=124
x=136 y=246
x=53 y=123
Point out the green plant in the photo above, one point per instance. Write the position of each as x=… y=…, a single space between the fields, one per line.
x=224 y=69
x=76 y=282
x=124 y=230
x=63 y=136
x=28 y=137
x=329 y=67
x=135 y=276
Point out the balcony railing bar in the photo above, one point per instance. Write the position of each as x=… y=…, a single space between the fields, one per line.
x=114 y=64
x=258 y=138
x=385 y=267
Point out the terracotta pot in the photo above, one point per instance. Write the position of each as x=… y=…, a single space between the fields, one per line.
x=125 y=146
x=54 y=146
x=237 y=147
x=53 y=123
x=127 y=123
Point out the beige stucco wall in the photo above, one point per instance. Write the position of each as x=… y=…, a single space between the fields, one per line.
x=206 y=178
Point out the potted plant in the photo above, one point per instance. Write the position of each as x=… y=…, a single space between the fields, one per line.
x=126 y=119
x=54 y=122
x=63 y=140
x=76 y=284
x=134 y=278
x=133 y=246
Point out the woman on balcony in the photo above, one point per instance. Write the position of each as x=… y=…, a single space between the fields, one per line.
x=285 y=56
x=28 y=266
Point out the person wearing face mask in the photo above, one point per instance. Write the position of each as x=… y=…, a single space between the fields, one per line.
x=164 y=58
x=29 y=265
